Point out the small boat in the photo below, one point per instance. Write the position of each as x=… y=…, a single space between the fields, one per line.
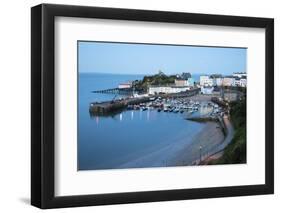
x=181 y=111
x=136 y=107
x=144 y=108
x=159 y=110
x=176 y=110
x=165 y=110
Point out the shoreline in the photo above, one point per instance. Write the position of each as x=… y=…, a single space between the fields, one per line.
x=181 y=153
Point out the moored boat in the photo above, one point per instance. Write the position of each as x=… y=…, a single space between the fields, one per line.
x=144 y=108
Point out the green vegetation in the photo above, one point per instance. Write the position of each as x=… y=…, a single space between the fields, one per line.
x=240 y=89
x=235 y=152
x=158 y=79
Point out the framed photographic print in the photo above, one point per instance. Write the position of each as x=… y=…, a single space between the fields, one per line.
x=139 y=106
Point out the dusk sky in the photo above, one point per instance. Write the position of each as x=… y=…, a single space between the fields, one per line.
x=126 y=58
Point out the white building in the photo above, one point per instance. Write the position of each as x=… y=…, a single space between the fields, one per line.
x=237 y=82
x=191 y=82
x=152 y=90
x=125 y=85
x=218 y=81
x=239 y=74
x=205 y=80
x=243 y=82
x=207 y=90
x=240 y=82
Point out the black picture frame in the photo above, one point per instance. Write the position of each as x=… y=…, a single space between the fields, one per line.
x=43 y=102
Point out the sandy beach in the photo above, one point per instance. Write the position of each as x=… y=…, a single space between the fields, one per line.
x=210 y=137
x=183 y=152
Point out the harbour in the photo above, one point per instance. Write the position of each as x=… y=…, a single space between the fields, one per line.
x=160 y=106
x=136 y=130
x=108 y=107
x=146 y=118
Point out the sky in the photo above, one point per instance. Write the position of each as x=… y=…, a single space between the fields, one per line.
x=132 y=58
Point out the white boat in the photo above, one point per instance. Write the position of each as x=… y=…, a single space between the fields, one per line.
x=144 y=108
x=176 y=110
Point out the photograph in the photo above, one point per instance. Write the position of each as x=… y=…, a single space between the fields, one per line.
x=139 y=105
x=144 y=105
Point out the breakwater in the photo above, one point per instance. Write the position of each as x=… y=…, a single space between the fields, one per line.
x=111 y=106
x=121 y=91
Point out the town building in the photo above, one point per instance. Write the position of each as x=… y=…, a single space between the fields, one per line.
x=205 y=80
x=239 y=74
x=218 y=82
x=217 y=79
x=207 y=90
x=237 y=82
x=153 y=90
x=191 y=82
x=243 y=82
x=181 y=82
x=126 y=85
x=228 y=81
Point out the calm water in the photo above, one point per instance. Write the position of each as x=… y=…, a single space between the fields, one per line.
x=107 y=142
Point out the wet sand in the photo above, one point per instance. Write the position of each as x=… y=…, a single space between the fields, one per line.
x=183 y=152
x=210 y=137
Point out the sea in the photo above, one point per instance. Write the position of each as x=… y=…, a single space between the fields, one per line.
x=111 y=141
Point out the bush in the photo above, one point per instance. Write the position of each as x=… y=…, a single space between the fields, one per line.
x=235 y=152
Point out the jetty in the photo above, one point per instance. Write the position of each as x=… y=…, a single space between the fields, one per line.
x=107 y=107
x=121 y=91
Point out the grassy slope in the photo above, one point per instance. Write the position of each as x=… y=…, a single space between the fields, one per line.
x=158 y=79
x=235 y=152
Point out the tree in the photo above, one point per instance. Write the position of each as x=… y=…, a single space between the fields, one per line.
x=186 y=75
